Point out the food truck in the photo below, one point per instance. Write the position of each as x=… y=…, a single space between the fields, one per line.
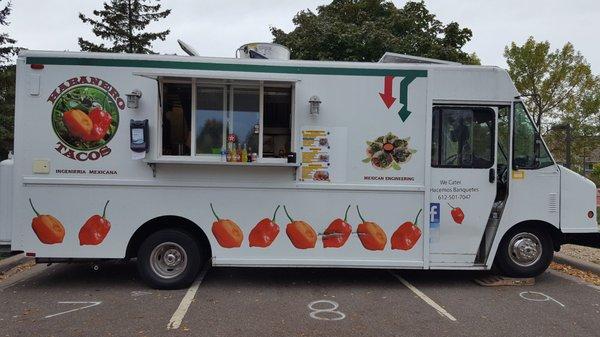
x=263 y=161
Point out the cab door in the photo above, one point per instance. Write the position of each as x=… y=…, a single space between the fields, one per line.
x=463 y=181
x=535 y=177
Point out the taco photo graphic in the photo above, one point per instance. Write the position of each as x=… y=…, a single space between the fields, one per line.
x=388 y=151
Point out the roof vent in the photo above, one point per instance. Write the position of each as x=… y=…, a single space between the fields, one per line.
x=261 y=50
x=402 y=58
x=187 y=48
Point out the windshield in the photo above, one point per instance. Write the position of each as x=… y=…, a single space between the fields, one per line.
x=529 y=151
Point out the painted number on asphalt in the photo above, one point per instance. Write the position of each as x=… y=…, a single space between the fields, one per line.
x=86 y=306
x=538 y=297
x=325 y=310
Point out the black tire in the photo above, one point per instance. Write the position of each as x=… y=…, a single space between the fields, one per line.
x=170 y=245
x=507 y=257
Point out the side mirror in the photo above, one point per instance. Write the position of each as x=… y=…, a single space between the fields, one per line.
x=520 y=162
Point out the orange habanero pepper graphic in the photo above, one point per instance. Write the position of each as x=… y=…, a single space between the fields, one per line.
x=301 y=234
x=78 y=123
x=227 y=232
x=95 y=229
x=265 y=232
x=407 y=235
x=47 y=228
x=370 y=234
x=338 y=232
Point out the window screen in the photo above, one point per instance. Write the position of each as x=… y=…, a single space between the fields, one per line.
x=463 y=137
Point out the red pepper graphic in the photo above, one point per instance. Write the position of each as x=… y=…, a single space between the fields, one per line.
x=265 y=232
x=370 y=234
x=407 y=235
x=457 y=214
x=337 y=233
x=101 y=123
x=95 y=229
x=227 y=232
x=47 y=228
x=301 y=234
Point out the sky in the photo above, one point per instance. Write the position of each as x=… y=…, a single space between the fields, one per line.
x=219 y=27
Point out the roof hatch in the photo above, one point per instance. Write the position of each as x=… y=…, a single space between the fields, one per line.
x=403 y=58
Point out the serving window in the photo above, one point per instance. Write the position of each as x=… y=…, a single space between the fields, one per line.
x=203 y=118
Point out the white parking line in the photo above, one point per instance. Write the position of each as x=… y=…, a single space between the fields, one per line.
x=89 y=305
x=425 y=298
x=179 y=314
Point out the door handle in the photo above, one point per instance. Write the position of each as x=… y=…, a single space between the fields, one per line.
x=492 y=176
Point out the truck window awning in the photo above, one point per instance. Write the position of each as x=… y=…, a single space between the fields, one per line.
x=237 y=76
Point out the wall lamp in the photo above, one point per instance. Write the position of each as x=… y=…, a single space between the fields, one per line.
x=315 y=105
x=133 y=99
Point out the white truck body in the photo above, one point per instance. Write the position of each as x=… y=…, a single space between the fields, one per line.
x=360 y=104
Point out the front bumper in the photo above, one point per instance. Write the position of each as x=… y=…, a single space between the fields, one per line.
x=583 y=239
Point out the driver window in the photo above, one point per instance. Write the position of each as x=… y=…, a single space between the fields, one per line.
x=463 y=137
x=525 y=138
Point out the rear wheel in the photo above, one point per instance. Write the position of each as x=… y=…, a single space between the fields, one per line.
x=525 y=252
x=169 y=259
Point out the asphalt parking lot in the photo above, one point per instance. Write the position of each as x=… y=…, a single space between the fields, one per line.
x=74 y=300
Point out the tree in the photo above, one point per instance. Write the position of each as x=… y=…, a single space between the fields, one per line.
x=7 y=86
x=123 y=22
x=559 y=88
x=6 y=48
x=582 y=112
x=548 y=79
x=7 y=108
x=363 y=30
x=595 y=174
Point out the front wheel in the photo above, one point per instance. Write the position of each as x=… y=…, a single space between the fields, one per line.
x=169 y=259
x=525 y=252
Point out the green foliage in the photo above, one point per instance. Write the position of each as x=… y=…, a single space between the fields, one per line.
x=7 y=109
x=363 y=30
x=561 y=90
x=582 y=112
x=123 y=23
x=552 y=80
x=6 y=43
x=595 y=174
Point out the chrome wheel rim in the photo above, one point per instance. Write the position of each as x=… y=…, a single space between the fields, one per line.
x=525 y=249
x=168 y=260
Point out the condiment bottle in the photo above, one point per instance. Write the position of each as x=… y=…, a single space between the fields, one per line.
x=233 y=153
x=244 y=154
x=228 y=154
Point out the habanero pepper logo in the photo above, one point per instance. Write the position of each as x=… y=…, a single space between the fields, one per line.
x=85 y=117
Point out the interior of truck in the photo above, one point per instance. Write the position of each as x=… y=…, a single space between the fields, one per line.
x=204 y=117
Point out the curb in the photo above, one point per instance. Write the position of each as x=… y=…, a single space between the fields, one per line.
x=13 y=261
x=577 y=263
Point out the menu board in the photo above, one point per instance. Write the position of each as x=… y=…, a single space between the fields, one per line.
x=323 y=154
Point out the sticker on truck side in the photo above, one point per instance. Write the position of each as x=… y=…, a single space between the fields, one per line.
x=85 y=117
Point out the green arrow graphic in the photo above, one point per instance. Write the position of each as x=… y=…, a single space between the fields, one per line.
x=404 y=113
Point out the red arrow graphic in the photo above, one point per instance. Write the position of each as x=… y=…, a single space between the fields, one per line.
x=386 y=96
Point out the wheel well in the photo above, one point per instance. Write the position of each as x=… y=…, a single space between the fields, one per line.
x=555 y=233
x=163 y=222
